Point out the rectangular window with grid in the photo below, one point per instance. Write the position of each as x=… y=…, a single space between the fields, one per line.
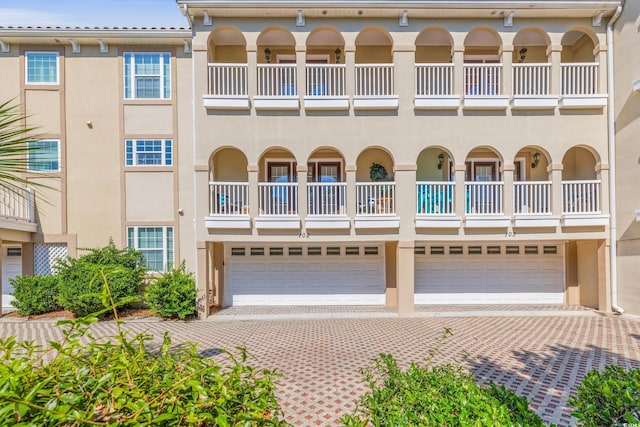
x=44 y=156
x=42 y=68
x=156 y=245
x=148 y=152
x=147 y=75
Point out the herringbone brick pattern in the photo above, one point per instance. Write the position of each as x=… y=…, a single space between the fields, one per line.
x=542 y=358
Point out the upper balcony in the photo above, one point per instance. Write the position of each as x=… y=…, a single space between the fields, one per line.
x=530 y=74
x=17 y=209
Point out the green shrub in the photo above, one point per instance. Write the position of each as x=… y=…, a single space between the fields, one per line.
x=118 y=381
x=439 y=395
x=173 y=294
x=608 y=398
x=35 y=294
x=81 y=280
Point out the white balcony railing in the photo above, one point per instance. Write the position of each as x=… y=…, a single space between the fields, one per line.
x=435 y=198
x=277 y=80
x=579 y=78
x=482 y=79
x=18 y=204
x=532 y=197
x=278 y=198
x=374 y=80
x=531 y=79
x=375 y=198
x=581 y=197
x=228 y=198
x=326 y=198
x=326 y=80
x=434 y=79
x=228 y=79
x=483 y=198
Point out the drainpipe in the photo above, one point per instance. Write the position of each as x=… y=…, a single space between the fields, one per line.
x=612 y=164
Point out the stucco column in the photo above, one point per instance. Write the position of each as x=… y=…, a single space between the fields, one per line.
x=350 y=196
x=507 y=70
x=254 y=191
x=302 y=190
x=460 y=193
x=405 y=198
x=507 y=189
x=604 y=276
x=350 y=70
x=602 y=174
x=600 y=54
x=301 y=70
x=404 y=277
x=404 y=65
x=202 y=280
x=458 y=70
x=27 y=259
x=555 y=176
x=252 y=70
x=555 y=54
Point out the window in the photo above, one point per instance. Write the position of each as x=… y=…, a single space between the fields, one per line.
x=147 y=75
x=44 y=155
x=42 y=68
x=148 y=152
x=156 y=245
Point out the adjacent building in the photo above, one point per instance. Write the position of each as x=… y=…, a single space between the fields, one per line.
x=342 y=153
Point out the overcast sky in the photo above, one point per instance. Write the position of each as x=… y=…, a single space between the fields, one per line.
x=92 y=13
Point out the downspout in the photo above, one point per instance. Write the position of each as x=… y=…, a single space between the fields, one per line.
x=613 y=252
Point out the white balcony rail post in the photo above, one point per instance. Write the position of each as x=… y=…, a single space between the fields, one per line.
x=228 y=198
x=374 y=79
x=434 y=79
x=278 y=198
x=277 y=80
x=531 y=79
x=375 y=198
x=482 y=79
x=484 y=198
x=228 y=79
x=326 y=198
x=579 y=78
x=325 y=79
x=532 y=198
x=581 y=197
x=435 y=198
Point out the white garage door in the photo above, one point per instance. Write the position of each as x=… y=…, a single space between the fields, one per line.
x=488 y=274
x=309 y=275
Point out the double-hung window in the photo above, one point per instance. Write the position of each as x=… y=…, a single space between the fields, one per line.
x=156 y=245
x=148 y=152
x=44 y=155
x=42 y=68
x=147 y=75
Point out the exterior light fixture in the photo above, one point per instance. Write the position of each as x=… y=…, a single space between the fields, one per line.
x=267 y=55
x=440 y=160
x=536 y=160
x=523 y=54
x=337 y=52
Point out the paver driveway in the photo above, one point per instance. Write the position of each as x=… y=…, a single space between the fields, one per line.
x=540 y=357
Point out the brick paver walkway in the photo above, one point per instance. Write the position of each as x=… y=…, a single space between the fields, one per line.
x=542 y=358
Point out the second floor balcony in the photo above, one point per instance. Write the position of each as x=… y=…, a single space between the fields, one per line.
x=17 y=209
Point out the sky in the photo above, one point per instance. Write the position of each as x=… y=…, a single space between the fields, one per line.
x=91 y=13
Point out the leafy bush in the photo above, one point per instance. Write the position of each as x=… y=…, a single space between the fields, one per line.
x=173 y=294
x=118 y=381
x=81 y=280
x=439 y=395
x=35 y=294
x=608 y=398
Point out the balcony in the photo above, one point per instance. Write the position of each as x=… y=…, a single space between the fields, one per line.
x=228 y=88
x=532 y=86
x=228 y=206
x=17 y=209
x=482 y=87
x=434 y=87
x=532 y=204
x=376 y=205
x=278 y=203
x=277 y=87
x=326 y=87
x=484 y=205
x=435 y=205
x=326 y=206
x=581 y=204
x=375 y=88
x=580 y=86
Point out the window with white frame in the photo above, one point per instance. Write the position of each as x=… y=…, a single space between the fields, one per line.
x=147 y=75
x=156 y=245
x=42 y=67
x=44 y=155
x=148 y=152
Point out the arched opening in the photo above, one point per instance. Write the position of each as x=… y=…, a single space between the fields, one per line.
x=579 y=163
x=578 y=46
x=580 y=186
x=276 y=45
x=482 y=70
x=530 y=46
x=229 y=182
x=531 y=186
x=326 y=186
x=483 y=182
x=374 y=46
x=434 y=181
x=278 y=186
x=434 y=45
x=375 y=189
x=227 y=45
x=325 y=70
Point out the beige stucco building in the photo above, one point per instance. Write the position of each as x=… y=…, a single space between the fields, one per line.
x=343 y=153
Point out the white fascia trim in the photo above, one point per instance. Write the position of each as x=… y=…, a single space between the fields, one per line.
x=450 y=4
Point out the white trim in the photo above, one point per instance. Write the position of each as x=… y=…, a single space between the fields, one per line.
x=165 y=247
x=59 y=158
x=163 y=150
x=26 y=67
x=133 y=75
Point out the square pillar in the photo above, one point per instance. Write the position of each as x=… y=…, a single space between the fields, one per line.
x=600 y=54
x=202 y=280
x=604 y=276
x=351 y=202
x=405 y=198
x=458 y=70
x=303 y=194
x=507 y=189
x=460 y=171
x=405 y=260
x=27 y=259
x=555 y=176
x=252 y=71
x=301 y=70
x=254 y=191
x=602 y=174
x=555 y=57
x=507 y=70
x=350 y=71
